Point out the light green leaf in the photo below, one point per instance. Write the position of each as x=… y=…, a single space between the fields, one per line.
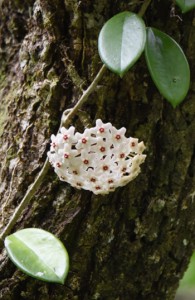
x=39 y=254
x=121 y=41
x=168 y=66
x=185 y=5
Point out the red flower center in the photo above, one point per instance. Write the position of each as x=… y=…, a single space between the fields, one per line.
x=101 y=130
x=98 y=187
x=93 y=179
x=105 y=168
x=102 y=149
x=84 y=140
x=65 y=137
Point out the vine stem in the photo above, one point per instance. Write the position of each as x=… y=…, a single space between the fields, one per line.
x=24 y=202
x=65 y=121
x=84 y=97
x=144 y=8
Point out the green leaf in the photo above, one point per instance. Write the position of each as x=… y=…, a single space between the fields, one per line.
x=185 y=5
x=121 y=41
x=168 y=66
x=39 y=254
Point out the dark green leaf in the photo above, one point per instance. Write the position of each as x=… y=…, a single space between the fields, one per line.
x=121 y=41
x=39 y=254
x=185 y=5
x=168 y=66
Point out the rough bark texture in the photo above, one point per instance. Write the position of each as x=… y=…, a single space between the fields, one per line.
x=134 y=243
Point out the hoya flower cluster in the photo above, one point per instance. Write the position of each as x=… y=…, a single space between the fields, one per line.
x=100 y=159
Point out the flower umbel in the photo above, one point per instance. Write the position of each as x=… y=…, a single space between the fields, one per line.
x=100 y=159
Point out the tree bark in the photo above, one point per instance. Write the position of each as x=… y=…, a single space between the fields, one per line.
x=134 y=243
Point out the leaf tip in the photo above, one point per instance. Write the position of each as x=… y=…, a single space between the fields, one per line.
x=174 y=105
x=121 y=75
x=62 y=281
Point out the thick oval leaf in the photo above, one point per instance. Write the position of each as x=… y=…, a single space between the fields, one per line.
x=186 y=5
x=168 y=66
x=121 y=41
x=39 y=254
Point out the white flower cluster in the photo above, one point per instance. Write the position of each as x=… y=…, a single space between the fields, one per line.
x=100 y=159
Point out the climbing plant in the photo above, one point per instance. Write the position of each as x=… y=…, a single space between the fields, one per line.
x=82 y=160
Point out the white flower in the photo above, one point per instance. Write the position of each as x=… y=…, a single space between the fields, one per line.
x=100 y=159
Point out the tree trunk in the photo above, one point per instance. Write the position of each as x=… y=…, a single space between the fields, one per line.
x=134 y=243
